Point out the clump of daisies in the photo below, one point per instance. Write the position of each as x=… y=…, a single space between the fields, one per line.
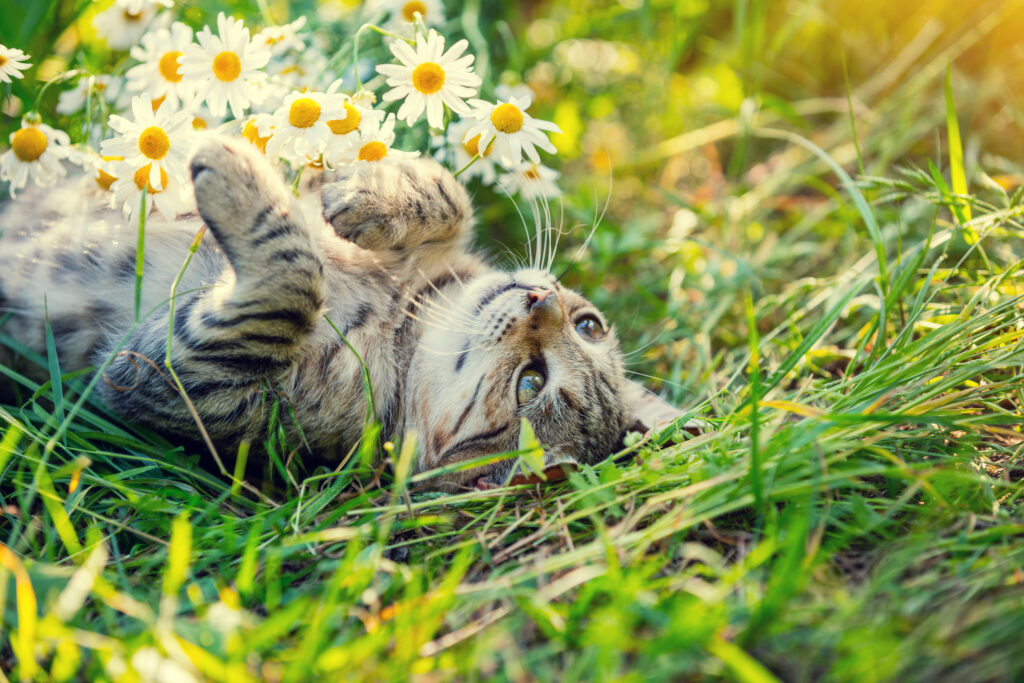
x=287 y=89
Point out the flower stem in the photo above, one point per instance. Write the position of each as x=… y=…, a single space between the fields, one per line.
x=140 y=253
x=355 y=48
x=468 y=164
x=56 y=79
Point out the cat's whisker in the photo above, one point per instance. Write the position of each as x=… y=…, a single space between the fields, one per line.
x=597 y=221
x=522 y=219
x=446 y=313
x=456 y=276
x=436 y=352
x=429 y=306
x=538 y=227
x=628 y=356
x=557 y=235
x=425 y=321
x=439 y=312
x=455 y=308
x=660 y=379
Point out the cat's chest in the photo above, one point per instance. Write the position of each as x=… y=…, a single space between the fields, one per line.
x=355 y=363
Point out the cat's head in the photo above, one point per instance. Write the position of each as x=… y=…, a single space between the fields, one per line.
x=520 y=345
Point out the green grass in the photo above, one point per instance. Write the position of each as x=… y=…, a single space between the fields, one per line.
x=855 y=338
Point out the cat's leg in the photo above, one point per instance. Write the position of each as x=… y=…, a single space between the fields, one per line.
x=398 y=204
x=229 y=339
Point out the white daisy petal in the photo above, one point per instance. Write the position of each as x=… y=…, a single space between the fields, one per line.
x=225 y=69
x=12 y=63
x=36 y=152
x=428 y=78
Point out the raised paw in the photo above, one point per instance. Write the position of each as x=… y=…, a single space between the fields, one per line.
x=243 y=200
x=395 y=204
x=234 y=182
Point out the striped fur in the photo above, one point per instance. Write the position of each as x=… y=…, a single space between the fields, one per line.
x=378 y=254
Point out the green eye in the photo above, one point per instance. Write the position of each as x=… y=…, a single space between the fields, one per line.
x=589 y=327
x=530 y=384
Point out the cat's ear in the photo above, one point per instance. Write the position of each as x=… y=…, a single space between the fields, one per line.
x=645 y=411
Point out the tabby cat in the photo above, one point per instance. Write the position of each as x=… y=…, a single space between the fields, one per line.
x=456 y=350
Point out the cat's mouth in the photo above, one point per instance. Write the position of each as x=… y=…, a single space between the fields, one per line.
x=551 y=474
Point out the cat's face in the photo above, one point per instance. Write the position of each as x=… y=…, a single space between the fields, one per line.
x=510 y=346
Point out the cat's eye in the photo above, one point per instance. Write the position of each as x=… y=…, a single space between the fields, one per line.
x=589 y=327
x=531 y=381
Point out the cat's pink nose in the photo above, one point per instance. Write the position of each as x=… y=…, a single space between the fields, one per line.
x=537 y=296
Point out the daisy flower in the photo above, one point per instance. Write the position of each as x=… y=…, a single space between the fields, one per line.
x=12 y=63
x=100 y=85
x=224 y=67
x=376 y=138
x=300 y=127
x=428 y=78
x=36 y=151
x=531 y=181
x=513 y=131
x=505 y=92
x=463 y=150
x=103 y=170
x=159 y=74
x=202 y=117
x=346 y=139
x=172 y=198
x=281 y=39
x=160 y=140
x=124 y=22
x=403 y=13
x=252 y=127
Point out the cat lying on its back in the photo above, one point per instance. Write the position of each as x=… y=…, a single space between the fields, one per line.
x=456 y=350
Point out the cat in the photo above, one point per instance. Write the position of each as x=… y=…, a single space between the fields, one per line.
x=455 y=349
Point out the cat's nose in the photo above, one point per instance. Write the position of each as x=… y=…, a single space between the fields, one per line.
x=537 y=297
x=543 y=303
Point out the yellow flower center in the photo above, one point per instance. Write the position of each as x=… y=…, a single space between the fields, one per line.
x=507 y=118
x=227 y=66
x=104 y=179
x=252 y=134
x=411 y=9
x=199 y=124
x=348 y=124
x=169 y=67
x=142 y=179
x=154 y=143
x=373 y=151
x=132 y=16
x=304 y=112
x=3 y=60
x=428 y=78
x=531 y=173
x=472 y=147
x=158 y=101
x=28 y=144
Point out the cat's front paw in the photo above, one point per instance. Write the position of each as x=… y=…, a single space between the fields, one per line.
x=395 y=204
x=234 y=185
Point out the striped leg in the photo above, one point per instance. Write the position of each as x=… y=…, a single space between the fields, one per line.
x=227 y=340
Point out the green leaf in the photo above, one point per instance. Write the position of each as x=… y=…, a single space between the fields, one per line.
x=532 y=453
x=961 y=209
